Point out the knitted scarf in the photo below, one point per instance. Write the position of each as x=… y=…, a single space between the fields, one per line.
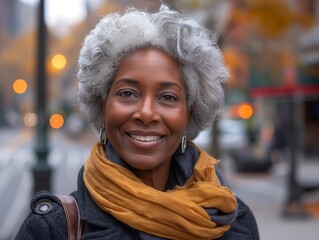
x=179 y=213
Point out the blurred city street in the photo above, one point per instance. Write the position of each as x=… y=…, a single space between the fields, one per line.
x=265 y=193
x=267 y=136
x=16 y=180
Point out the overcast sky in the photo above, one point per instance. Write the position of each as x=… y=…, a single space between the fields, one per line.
x=68 y=11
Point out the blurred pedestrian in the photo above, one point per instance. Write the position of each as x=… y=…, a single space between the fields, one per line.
x=149 y=82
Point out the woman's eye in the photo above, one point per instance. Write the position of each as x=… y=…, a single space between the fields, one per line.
x=169 y=97
x=126 y=93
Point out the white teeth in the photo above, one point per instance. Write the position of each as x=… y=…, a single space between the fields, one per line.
x=145 y=138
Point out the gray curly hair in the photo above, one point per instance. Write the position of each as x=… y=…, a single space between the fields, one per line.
x=189 y=43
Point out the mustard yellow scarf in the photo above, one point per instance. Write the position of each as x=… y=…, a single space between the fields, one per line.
x=175 y=214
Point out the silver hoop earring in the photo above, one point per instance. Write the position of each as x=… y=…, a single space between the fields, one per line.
x=103 y=135
x=184 y=141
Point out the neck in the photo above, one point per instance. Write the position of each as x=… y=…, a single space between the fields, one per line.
x=155 y=178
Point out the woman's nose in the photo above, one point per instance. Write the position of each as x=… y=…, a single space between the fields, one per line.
x=147 y=112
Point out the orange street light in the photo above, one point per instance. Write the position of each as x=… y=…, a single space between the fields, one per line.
x=20 y=86
x=56 y=121
x=58 y=61
x=245 y=111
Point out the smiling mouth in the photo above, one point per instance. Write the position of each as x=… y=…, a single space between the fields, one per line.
x=145 y=138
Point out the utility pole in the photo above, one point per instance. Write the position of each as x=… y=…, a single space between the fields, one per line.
x=41 y=170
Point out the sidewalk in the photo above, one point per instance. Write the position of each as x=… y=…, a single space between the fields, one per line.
x=265 y=194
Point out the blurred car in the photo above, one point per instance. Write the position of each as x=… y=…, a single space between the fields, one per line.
x=232 y=134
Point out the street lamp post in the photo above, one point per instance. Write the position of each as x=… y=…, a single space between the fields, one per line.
x=41 y=170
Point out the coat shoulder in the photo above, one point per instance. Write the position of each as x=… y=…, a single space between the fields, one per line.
x=46 y=219
x=43 y=203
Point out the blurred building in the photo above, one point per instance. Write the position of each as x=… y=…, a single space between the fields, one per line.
x=308 y=76
x=15 y=18
x=272 y=49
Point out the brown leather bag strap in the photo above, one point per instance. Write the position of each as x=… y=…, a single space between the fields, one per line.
x=72 y=214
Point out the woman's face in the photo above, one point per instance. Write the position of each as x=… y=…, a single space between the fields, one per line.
x=145 y=113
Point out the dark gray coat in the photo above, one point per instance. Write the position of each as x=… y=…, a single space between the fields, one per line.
x=47 y=219
x=51 y=224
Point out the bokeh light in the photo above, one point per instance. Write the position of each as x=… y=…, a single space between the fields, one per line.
x=20 y=86
x=245 y=111
x=56 y=121
x=58 y=61
x=30 y=119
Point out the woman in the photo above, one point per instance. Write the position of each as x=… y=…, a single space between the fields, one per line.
x=148 y=82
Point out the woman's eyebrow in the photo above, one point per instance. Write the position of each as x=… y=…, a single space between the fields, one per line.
x=127 y=80
x=135 y=82
x=170 y=84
